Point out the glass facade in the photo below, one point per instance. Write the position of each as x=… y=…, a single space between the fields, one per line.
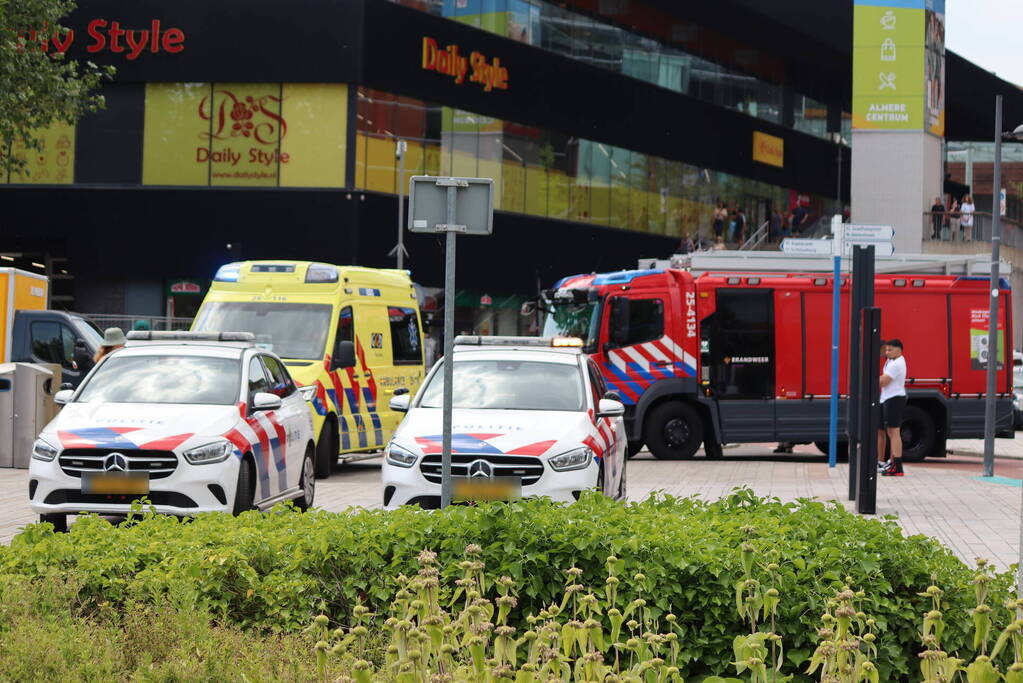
x=549 y=174
x=609 y=46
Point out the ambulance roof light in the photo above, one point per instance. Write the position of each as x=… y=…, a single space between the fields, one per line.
x=320 y=273
x=228 y=273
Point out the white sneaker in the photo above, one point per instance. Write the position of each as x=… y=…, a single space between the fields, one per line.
x=882 y=466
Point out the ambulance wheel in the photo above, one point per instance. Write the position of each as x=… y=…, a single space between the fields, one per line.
x=58 y=521
x=674 y=431
x=918 y=434
x=308 y=481
x=326 y=450
x=633 y=449
x=245 y=492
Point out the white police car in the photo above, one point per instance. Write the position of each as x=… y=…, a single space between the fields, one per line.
x=529 y=418
x=194 y=422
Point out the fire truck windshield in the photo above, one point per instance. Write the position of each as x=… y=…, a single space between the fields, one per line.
x=570 y=319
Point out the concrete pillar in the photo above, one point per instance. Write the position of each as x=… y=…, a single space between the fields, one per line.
x=895 y=177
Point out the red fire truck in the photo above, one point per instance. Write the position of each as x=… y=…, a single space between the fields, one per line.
x=737 y=357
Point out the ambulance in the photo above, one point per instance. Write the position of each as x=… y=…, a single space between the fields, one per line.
x=350 y=337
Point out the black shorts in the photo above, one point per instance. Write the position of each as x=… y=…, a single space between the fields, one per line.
x=891 y=412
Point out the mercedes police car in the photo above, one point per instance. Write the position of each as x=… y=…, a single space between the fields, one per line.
x=193 y=422
x=529 y=418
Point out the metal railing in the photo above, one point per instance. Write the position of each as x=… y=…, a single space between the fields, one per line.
x=758 y=237
x=944 y=226
x=134 y=322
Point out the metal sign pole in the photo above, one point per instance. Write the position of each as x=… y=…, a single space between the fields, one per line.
x=399 y=151
x=994 y=354
x=836 y=313
x=449 y=346
x=863 y=286
x=450 y=205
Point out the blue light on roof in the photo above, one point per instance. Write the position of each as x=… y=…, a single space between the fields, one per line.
x=228 y=273
x=623 y=277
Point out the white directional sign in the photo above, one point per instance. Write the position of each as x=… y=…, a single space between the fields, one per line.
x=867 y=233
x=881 y=248
x=796 y=245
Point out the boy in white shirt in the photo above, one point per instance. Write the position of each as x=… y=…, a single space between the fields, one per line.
x=893 y=402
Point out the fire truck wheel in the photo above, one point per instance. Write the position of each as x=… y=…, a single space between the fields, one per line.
x=841 y=449
x=918 y=434
x=633 y=448
x=326 y=451
x=674 y=431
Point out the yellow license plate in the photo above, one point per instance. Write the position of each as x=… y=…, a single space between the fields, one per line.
x=466 y=489
x=115 y=482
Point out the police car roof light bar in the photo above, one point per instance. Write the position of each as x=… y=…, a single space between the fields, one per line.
x=481 y=340
x=182 y=336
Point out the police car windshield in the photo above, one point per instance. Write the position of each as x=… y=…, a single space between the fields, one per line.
x=509 y=385
x=296 y=331
x=163 y=379
x=573 y=320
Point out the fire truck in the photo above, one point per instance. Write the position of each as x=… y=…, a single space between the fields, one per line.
x=745 y=357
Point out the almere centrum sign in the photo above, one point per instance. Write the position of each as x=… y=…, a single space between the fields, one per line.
x=899 y=65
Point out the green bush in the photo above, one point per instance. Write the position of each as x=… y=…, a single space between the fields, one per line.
x=275 y=571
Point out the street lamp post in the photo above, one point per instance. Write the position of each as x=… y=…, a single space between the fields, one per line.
x=993 y=352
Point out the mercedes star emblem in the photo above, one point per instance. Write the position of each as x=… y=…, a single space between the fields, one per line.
x=115 y=462
x=480 y=469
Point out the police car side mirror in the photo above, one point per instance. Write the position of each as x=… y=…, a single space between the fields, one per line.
x=266 y=401
x=400 y=404
x=345 y=356
x=610 y=408
x=63 y=397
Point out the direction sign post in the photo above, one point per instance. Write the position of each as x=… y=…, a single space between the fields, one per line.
x=800 y=245
x=435 y=205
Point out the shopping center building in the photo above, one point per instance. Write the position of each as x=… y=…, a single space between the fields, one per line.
x=267 y=130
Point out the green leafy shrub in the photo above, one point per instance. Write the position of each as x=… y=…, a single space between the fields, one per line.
x=275 y=571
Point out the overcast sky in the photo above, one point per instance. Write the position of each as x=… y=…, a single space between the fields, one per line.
x=989 y=33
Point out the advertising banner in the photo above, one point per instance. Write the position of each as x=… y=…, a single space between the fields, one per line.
x=245 y=134
x=979 y=339
x=52 y=164
x=899 y=65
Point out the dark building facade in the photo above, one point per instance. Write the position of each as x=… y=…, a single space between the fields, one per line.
x=243 y=130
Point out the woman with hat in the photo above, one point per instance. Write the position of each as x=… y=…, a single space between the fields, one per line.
x=113 y=339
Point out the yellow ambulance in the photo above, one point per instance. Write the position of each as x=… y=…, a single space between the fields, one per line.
x=349 y=336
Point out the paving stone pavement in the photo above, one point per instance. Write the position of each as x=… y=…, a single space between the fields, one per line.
x=944 y=498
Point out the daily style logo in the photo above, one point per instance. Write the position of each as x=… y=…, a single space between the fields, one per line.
x=109 y=36
x=450 y=61
x=239 y=119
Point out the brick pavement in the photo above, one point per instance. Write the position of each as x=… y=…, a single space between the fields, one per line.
x=942 y=498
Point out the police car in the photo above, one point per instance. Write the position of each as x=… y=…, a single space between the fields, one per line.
x=530 y=417
x=193 y=422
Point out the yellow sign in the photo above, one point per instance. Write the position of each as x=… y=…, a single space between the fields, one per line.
x=53 y=163
x=899 y=65
x=768 y=149
x=255 y=134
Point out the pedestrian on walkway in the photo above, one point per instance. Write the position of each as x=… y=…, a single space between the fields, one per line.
x=893 y=402
x=740 y=226
x=775 y=228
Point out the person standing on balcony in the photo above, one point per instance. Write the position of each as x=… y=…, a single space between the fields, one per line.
x=740 y=226
x=953 y=218
x=720 y=216
x=774 y=230
x=937 y=218
x=966 y=210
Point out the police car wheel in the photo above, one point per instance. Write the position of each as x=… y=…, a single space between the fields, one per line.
x=674 y=431
x=58 y=521
x=245 y=492
x=918 y=434
x=308 y=482
x=326 y=451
